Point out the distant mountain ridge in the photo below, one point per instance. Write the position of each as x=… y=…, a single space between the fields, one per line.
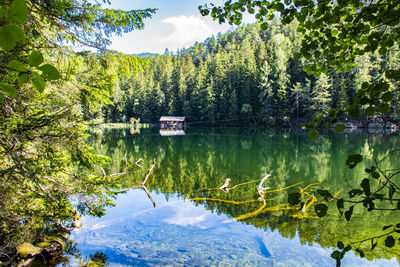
x=143 y=55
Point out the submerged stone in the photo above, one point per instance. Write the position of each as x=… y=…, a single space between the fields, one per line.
x=27 y=249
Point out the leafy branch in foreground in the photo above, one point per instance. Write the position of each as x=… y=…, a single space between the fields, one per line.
x=377 y=192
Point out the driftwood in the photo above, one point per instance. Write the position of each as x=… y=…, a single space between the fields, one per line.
x=121 y=173
x=260 y=188
x=137 y=163
x=142 y=184
x=104 y=172
x=148 y=173
x=148 y=194
x=224 y=187
x=112 y=175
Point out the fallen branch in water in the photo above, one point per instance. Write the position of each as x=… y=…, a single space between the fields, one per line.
x=142 y=184
x=260 y=188
x=104 y=172
x=126 y=163
x=224 y=187
x=137 y=163
x=112 y=175
x=229 y=201
x=117 y=174
x=148 y=173
x=148 y=194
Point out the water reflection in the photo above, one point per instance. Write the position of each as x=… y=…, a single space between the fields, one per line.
x=193 y=226
x=171 y=132
x=181 y=233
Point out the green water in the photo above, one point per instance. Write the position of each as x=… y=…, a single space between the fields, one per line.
x=192 y=224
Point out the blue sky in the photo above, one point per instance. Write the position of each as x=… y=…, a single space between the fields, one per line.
x=177 y=24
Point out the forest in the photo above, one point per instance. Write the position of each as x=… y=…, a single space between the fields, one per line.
x=248 y=75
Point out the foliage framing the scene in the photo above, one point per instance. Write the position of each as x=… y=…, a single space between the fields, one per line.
x=46 y=167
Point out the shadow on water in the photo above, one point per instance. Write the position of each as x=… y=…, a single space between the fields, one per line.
x=194 y=222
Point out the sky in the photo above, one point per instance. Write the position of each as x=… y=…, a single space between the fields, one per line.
x=176 y=25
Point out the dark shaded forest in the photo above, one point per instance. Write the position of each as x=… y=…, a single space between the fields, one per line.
x=248 y=75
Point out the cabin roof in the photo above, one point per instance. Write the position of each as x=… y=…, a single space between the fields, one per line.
x=172 y=118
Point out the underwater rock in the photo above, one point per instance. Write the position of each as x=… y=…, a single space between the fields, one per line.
x=27 y=249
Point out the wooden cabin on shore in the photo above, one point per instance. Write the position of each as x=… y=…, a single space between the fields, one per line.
x=172 y=122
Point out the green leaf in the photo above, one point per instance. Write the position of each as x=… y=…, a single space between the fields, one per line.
x=348 y=213
x=370 y=170
x=313 y=134
x=363 y=100
x=373 y=245
x=321 y=210
x=38 y=82
x=1 y=98
x=393 y=74
x=386 y=227
x=387 y=97
x=337 y=255
x=368 y=203
x=18 y=12
x=9 y=36
x=369 y=111
x=325 y=194
x=340 y=205
x=8 y=89
x=16 y=65
x=340 y=245
x=353 y=160
x=50 y=72
x=23 y=78
x=319 y=117
x=384 y=108
x=264 y=26
x=375 y=175
x=294 y=198
x=306 y=68
x=347 y=248
x=362 y=255
x=389 y=241
x=339 y=128
x=355 y=192
x=35 y=58
x=366 y=187
x=392 y=190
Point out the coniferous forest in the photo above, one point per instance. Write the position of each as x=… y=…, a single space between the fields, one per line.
x=247 y=75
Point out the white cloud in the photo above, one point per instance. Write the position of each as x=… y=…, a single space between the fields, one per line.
x=173 y=33
x=187 y=214
x=190 y=29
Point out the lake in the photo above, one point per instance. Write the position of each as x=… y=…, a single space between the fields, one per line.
x=181 y=218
